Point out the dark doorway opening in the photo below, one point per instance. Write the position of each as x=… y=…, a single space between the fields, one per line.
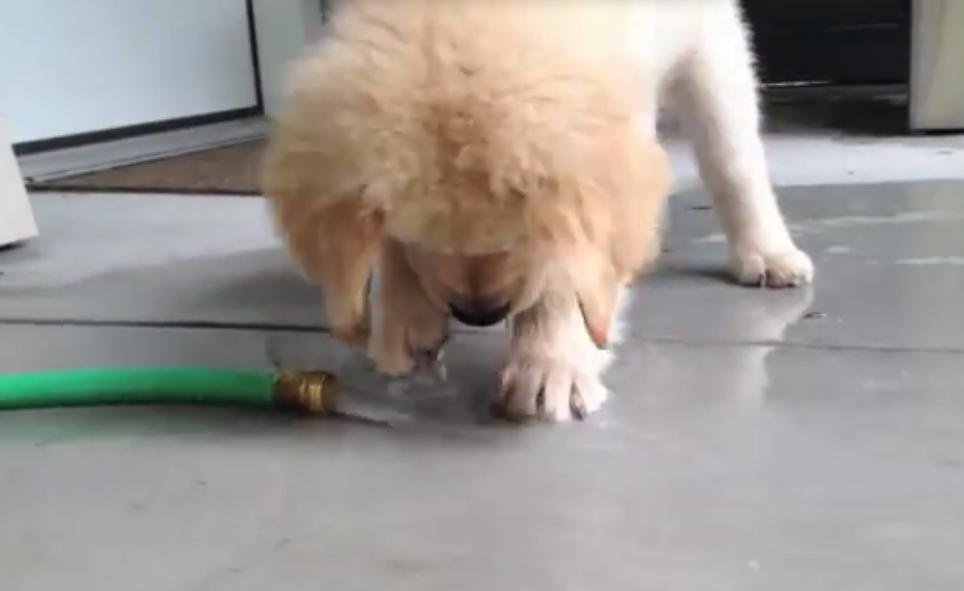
x=834 y=42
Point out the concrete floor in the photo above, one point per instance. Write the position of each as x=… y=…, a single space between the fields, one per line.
x=794 y=440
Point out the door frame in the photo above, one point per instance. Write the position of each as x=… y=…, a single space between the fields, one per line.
x=282 y=30
x=936 y=86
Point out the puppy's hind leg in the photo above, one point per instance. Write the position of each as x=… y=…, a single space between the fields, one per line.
x=718 y=89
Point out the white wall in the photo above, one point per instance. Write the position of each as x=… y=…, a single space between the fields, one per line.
x=75 y=66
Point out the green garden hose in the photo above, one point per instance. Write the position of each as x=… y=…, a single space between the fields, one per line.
x=309 y=392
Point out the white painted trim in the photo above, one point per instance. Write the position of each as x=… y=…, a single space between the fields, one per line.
x=16 y=216
x=937 y=85
x=55 y=164
x=283 y=29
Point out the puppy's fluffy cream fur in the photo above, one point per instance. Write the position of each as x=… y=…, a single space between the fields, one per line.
x=483 y=156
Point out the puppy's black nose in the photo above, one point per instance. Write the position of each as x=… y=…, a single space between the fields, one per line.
x=480 y=313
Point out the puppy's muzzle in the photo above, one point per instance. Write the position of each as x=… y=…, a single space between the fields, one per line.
x=480 y=312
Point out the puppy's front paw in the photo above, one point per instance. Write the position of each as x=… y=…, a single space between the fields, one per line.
x=555 y=389
x=402 y=344
x=775 y=268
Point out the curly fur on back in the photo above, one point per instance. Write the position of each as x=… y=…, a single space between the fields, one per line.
x=465 y=126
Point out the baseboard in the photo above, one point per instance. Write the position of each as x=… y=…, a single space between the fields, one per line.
x=111 y=154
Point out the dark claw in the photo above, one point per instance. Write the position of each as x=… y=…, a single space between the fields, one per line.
x=577 y=406
x=541 y=401
x=427 y=357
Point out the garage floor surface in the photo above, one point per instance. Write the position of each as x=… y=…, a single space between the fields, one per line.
x=795 y=441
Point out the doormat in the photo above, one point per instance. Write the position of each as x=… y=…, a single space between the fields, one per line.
x=230 y=170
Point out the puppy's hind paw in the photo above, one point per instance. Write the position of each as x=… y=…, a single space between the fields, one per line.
x=790 y=267
x=534 y=387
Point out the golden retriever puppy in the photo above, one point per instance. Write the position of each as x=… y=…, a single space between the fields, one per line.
x=498 y=160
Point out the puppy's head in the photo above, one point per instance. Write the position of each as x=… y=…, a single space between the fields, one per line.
x=500 y=158
x=588 y=217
